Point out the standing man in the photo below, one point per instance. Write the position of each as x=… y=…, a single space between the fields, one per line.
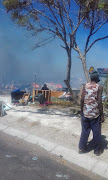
x=45 y=87
x=91 y=113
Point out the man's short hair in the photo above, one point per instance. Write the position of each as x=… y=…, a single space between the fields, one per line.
x=94 y=76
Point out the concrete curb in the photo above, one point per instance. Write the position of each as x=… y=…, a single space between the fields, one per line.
x=83 y=160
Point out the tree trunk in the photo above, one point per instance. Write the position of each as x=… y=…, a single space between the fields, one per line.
x=67 y=81
x=69 y=65
x=83 y=60
x=85 y=68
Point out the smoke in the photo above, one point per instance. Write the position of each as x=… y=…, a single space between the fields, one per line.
x=19 y=63
x=9 y=64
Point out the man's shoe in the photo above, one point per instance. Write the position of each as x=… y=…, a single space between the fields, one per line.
x=82 y=151
x=98 y=152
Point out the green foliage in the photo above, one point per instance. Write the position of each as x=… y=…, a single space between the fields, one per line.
x=16 y=7
x=11 y=4
x=22 y=21
x=100 y=5
x=103 y=5
x=19 y=18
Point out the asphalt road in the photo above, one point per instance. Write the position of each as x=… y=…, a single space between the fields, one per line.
x=20 y=160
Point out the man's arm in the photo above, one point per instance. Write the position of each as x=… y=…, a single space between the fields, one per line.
x=100 y=103
x=82 y=97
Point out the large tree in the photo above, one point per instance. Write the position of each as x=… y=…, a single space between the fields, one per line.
x=61 y=18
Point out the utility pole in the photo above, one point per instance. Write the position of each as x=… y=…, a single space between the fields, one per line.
x=107 y=89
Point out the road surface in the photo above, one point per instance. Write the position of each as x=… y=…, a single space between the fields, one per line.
x=20 y=160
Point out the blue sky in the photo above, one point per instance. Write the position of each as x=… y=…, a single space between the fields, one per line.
x=20 y=62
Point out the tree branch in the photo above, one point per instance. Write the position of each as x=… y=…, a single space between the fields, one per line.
x=79 y=22
x=96 y=41
x=90 y=34
x=99 y=27
x=44 y=42
x=52 y=11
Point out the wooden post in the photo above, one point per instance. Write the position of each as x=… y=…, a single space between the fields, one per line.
x=1 y=109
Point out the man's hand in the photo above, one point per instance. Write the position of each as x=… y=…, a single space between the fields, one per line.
x=102 y=119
